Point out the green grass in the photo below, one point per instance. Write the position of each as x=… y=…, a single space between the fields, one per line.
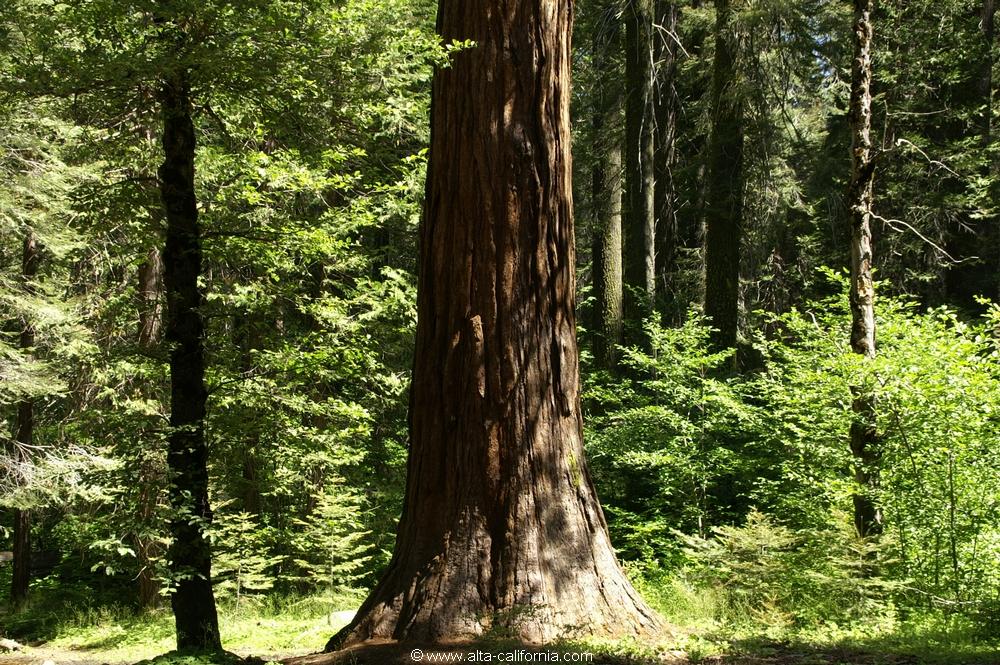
x=62 y=626
x=703 y=628
x=266 y=627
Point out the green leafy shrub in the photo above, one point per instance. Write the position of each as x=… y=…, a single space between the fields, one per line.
x=764 y=572
x=664 y=438
x=748 y=479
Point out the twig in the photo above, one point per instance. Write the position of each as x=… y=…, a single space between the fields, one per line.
x=892 y=224
x=935 y=162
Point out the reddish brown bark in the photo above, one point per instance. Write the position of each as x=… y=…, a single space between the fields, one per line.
x=501 y=525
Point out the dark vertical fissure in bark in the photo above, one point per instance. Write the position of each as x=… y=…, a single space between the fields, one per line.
x=864 y=442
x=24 y=434
x=607 y=189
x=640 y=235
x=724 y=191
x=187 y=456
x=501 y=525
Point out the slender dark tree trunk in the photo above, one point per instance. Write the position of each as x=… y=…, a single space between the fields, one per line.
x=24 y=437
x=986 y=78
x=147 y=549
x=249 y=487
x=187 y=455
x=150 y=293
x=977 y=239
x=21 y=577
x=692 y=150
x=640 y=237
x=864 y=442
x=151 y=300
x=724 y=195
x=987 y=86
x=500 y=525
x=666 y=111
x=607 y=188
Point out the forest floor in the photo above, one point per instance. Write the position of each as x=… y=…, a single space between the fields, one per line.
x=761 y=653
x=293 y=630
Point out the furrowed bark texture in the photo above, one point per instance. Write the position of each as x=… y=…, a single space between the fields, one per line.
x=864 y=442
x=501 y=525
x=24 y=437
x=724 y=195
x=607 y=190
x=640 y=237
x=192 y=600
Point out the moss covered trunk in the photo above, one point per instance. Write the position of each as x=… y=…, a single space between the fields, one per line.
x=606 y=193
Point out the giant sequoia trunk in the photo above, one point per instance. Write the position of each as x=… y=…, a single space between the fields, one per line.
x=24 y=437
x=500 y=524
x=640 y=237
x=724 y=191
x=607 y=189
x=187 y=455
x=864 y=443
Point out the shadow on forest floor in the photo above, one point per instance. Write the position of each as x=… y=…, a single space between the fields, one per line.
x=762 y=652
x=752 y=651
x=740 y=652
